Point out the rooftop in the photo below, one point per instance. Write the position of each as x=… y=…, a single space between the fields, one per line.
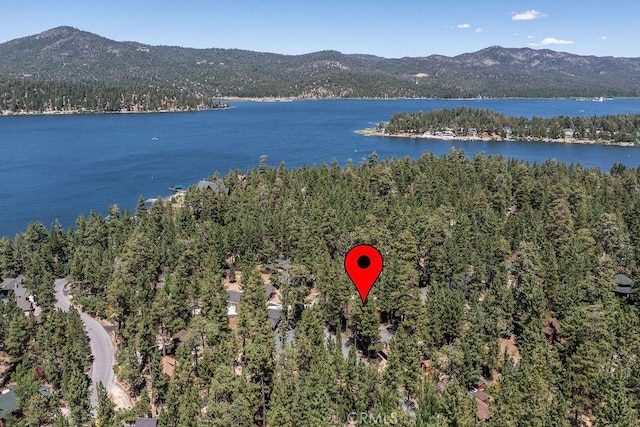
x=274 y=316
x=623 y=280
x=234 y=296
x=21 y=294
x=217 y=186
x=7 y=403
x=270 y=290
x=146 y=422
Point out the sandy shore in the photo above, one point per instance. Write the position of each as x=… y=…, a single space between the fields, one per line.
x=497 y=138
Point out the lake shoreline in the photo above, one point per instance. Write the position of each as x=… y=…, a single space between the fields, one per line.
x=5 y=113
x=278 y=99
x=305 y=98
x=495 y=138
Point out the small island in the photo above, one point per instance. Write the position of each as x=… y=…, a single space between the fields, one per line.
x=469 y=124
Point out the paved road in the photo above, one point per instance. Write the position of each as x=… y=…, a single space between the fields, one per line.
x=101 y=347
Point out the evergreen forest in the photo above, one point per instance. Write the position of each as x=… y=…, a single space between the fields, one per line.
x=37 y=97
x=467 y=122
x=497 y=295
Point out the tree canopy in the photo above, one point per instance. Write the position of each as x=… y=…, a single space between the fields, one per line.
x=497 y=273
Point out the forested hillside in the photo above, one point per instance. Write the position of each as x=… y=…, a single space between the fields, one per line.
x=498 y=276
x=68 y=55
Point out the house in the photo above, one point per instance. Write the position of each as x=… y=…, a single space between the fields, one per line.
x=482 y=410
x=623 y=285
x=482 y=404
x=216 y=186
x=270 y=291
x=8 y=404
x=146 y=422
x=482 y=396
x=234 y=297
x=279 y=264
x=232 y=308
x=568 y=133
x=15 y=287
x=274 y=314
x=9 y=401
x=168 y=366
x=282 y=267
x=232 y=315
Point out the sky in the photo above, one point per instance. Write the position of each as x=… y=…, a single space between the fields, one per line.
x=390 y=29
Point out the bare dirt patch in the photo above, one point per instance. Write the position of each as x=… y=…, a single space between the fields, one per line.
x=266 y=278
x=120 y=397
x=233 y=286
x=511 y=347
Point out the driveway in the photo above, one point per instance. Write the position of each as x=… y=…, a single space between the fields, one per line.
x=101 y=347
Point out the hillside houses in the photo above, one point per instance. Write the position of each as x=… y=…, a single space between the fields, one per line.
x=272 y=294
x=14 y=288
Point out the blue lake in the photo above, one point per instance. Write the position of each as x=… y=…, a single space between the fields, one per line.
x=63 y=166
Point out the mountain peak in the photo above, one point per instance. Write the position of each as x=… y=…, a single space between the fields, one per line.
x=62 y=30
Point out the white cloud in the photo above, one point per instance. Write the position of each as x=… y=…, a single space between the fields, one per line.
x=528 y=15
x=551 y=40
x=463 y=25
x=603 y=38
x=480 y=30
x=530 y=37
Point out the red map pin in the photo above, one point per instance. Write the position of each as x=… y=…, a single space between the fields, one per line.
x=363 y=264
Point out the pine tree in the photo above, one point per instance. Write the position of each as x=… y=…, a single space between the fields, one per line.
x=9 y=266
x=458 y=407
x=286 y=386
x=403 y=369
x=364 y=324
x=158 y=381
x=428 y=404
x=76 y=392
x=106 y=408
x=444 y=309
x=617 y=408
x=17 y=337
x=27 y=385
x=473 y=349
x=214 y=302
x=38 y=411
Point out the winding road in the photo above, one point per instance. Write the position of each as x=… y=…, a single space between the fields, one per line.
x=101 y=346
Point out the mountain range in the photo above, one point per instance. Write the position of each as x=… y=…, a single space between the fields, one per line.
x=69 y=55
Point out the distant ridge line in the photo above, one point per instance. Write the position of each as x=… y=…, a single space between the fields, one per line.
x=67 y=54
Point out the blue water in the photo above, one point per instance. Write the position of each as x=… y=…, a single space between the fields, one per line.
x=62 y=166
